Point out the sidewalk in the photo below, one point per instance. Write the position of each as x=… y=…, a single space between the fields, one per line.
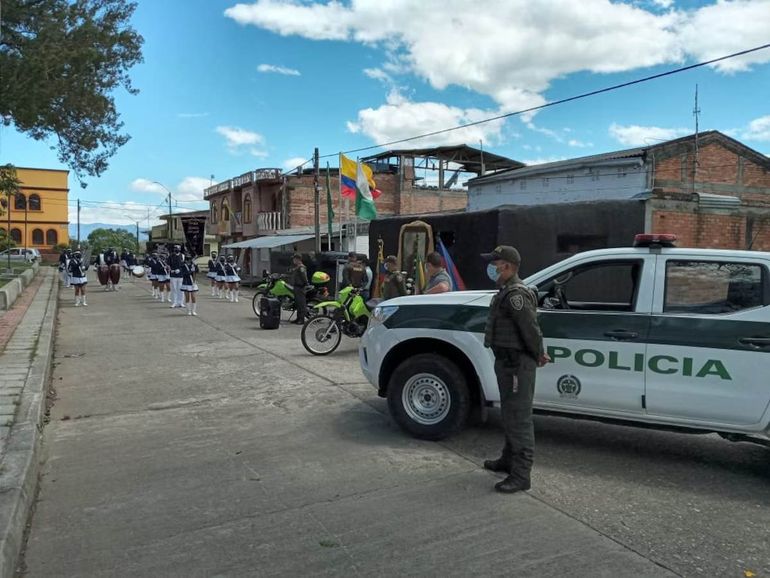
x=26 y=342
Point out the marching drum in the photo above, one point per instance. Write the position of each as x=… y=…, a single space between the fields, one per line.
x=115 y=273
x=103 y=273
x=137 y=271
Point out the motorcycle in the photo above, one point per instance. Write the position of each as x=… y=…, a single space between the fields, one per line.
x=349 y=315
x=274 y=285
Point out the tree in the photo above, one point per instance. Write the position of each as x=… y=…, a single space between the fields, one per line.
x=9 y=187
x=61 y=61
x=100 y=239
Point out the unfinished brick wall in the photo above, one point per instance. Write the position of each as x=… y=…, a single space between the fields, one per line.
x=704 y=230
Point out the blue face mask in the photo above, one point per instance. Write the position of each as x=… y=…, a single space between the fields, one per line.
x=493 y=273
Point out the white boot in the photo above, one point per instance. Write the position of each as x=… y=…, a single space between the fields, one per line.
x=85 y=303
x=236 y=295
x=77 y=301
x=188 y=306
x=195 y=309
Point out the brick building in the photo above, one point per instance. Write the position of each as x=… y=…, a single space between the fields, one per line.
x=711 y=190
x=267 y=202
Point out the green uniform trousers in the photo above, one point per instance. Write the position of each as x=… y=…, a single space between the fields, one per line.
x=515 y=373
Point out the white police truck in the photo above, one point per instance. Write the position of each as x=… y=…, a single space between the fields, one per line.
x=650 y=335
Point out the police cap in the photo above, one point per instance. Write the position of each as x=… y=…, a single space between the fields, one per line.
x=503 y=253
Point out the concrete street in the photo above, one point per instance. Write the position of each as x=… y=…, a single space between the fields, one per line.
x=206 y=446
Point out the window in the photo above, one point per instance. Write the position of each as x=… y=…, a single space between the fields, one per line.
x=225 y=212
x=594 y=174
x=607 y=286
x=21 y=202
x=621 y=172
x=709 y=287
x=213 y=214
x=51 y=236
x=37 y=237
x=16 y=236
x=545 y=182
x=523 y=185
x=4 y=203
x=570 y=179
x=247 y=209
x=34 y=202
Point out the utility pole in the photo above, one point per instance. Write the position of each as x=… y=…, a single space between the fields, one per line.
x=137 y=238
x=78 y=223
x=317 y=195
x=170 y=238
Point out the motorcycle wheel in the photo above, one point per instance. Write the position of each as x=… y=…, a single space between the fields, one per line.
x=321 y=335
x=255 y=302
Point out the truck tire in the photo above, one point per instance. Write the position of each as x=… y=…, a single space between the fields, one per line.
x=428 y=397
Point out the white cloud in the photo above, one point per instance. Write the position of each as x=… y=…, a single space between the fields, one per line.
x=272 y=68
x=511 y=50
x=192 y=114
x=400 y=118
x=665 y=4
x=725 y=27
x=188 y=189
x=147 y=186
x=293 y=162
x=239 y=139
x=635 y=135
x=757 y=130
x=579 y=143
x=378 y=74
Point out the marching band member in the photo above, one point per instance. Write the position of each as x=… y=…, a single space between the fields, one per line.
x=232 y=278
x=189 y=286
x=220 y=278
x=78 y=279
x=212 y=273
x=160 y=270
x=150 y=264
x=64 y=262
x=175 y=262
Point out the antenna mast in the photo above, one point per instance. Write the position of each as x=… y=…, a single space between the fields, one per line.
x=696 y=114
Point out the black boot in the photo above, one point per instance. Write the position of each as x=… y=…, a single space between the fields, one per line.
x=498 y=465
x=511 y=485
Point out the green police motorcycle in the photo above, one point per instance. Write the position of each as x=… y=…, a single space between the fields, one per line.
x=349 y=315
x=274 y=285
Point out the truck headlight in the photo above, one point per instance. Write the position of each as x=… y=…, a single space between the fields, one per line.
x=382 y=312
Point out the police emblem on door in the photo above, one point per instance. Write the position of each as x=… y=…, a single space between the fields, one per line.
x=568 y=386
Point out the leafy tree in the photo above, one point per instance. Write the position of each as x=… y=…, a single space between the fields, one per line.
x=61 y=61
x=100 y=239
x=9 y=186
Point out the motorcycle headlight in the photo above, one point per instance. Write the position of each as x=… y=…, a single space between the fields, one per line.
x=382 y=312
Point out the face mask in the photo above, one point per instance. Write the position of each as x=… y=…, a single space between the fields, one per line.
x=493 y=273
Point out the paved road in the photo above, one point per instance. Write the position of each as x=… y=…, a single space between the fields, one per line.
x=204 y=446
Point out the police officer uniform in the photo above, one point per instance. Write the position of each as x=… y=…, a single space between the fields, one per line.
x=394 y=284
x=297 y=278
x=513 y=334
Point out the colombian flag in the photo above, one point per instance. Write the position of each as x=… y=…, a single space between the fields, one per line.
x=449 y=265
x=349 y=174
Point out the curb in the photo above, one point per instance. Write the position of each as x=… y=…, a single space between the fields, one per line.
x=21 y=462
x=11 y=290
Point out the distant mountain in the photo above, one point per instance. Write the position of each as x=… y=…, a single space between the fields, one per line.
x=85 y=229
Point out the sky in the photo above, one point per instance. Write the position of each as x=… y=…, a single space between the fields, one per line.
x=227 y=87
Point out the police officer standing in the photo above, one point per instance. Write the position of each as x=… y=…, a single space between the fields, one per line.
x=297 y=278
x=394 y=284
x=513 y=334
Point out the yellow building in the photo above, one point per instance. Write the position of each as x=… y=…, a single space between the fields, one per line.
x=40 y=212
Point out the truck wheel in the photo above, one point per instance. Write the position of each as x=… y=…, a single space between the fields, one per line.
x=428 y=397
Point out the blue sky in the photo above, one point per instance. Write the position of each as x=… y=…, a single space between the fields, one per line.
x=228 y=87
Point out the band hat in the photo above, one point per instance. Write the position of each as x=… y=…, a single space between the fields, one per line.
x=503 y=253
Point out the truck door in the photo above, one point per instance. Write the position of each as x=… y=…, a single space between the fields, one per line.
x=595 y=319
x=708 y=356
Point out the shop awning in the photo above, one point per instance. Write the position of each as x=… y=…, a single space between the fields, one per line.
x=268 y=242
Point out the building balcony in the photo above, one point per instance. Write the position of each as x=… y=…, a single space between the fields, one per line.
x=218 y=188
x=262 y=175
x=269 y=221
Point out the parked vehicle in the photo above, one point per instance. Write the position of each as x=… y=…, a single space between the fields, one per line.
x=274 y=285
x=349 y=315
x=651 y=335
x=21 y=254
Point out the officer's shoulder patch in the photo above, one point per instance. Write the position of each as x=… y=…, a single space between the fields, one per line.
x=517 y=301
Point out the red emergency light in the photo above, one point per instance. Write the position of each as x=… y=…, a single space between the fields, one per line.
x=655 y=240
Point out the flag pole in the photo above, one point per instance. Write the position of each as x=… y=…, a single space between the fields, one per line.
x=339 y=195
